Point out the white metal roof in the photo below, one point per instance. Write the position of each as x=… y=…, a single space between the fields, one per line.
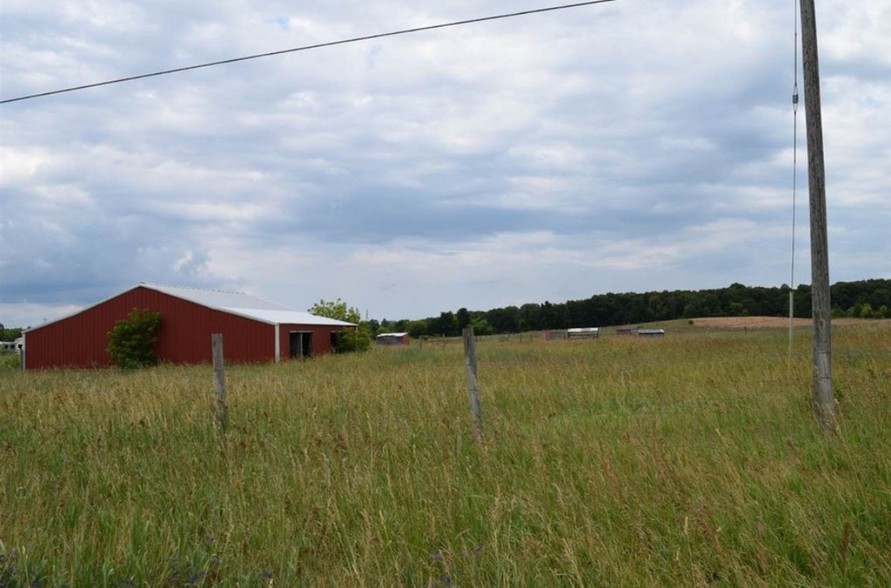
x=246 y=305
x=219 y=299
x=287 y=317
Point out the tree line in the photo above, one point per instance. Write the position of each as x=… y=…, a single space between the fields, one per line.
x=9 y=334
x=861 y=299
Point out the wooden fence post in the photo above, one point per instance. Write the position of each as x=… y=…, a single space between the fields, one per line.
x=219 y=379
x=473 y=386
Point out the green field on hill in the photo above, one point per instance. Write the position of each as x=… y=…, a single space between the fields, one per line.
x=692 y=459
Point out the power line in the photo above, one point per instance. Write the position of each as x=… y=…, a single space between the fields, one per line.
x=304 y=48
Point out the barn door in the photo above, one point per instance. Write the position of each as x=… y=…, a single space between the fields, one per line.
x=299 y=344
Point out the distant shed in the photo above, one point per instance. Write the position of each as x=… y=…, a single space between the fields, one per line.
x=574 y=333
x=650 y=332
x=638 y=332
x=389 y=339
x=254 y=330
x=583 y=333
x=16 y=345
x=554 y=335
x=629 y=330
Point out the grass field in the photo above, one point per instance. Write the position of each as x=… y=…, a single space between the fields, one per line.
x=689 y=460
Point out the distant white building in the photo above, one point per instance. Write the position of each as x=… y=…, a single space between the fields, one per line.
x=574 y=333
x=650 y=332
x=18 y=345
x=583 y=333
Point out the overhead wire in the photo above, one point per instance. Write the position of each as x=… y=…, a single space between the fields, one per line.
x=304 y=48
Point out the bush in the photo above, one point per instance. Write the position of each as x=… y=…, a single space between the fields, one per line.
x=131 y=343
x=10 y=361
x=353 y=340
x=358 y=339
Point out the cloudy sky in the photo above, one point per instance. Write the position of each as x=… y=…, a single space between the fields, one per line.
x=632 y=146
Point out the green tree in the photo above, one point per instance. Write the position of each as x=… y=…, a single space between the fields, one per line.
x=504 y=320
x=463 y=318
x=9 y=334
x=640 y=312
x=131 y=342
x=358 y=339
x=446 y=325
x=480 y=326
x=530 y=317
x=337 y=310
x=417 y=329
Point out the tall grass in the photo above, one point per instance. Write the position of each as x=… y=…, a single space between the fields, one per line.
x=689 y=460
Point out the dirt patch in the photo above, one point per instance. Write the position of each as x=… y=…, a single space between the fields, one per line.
x=766 y=322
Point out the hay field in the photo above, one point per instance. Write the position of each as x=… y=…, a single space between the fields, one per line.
x=690 y=460
x=775 y=322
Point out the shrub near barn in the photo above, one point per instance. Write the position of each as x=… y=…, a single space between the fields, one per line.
x=358 y=339
x=131 y=343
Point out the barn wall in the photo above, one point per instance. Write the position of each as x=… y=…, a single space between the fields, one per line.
x=184 y=337
x=321 y=344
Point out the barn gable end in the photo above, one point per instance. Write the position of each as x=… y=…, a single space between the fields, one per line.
x=253 y=331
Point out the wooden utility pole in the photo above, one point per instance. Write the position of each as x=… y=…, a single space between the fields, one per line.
x=824 y=403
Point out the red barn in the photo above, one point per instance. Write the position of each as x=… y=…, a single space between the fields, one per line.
x=254 y=330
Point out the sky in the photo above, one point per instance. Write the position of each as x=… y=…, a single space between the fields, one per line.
x=632 y=146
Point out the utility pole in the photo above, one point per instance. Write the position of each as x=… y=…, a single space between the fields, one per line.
x=824 y=403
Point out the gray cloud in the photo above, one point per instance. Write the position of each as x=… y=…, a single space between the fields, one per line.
x=621 y=147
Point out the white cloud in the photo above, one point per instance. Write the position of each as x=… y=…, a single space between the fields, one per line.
x=625 y=146
x=25 y=314
x=19 y=166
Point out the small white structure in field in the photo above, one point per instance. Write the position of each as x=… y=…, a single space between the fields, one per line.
x=18 y=345
x=583 y=333
x=650 y=332
x=574 y=333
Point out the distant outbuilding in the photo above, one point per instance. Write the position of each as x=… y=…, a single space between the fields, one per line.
x=583 y=333
x=650 y=332
x=387 y=339
x=638 y=332
x=16 y=345
x=254 y=330
x=573 y=333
